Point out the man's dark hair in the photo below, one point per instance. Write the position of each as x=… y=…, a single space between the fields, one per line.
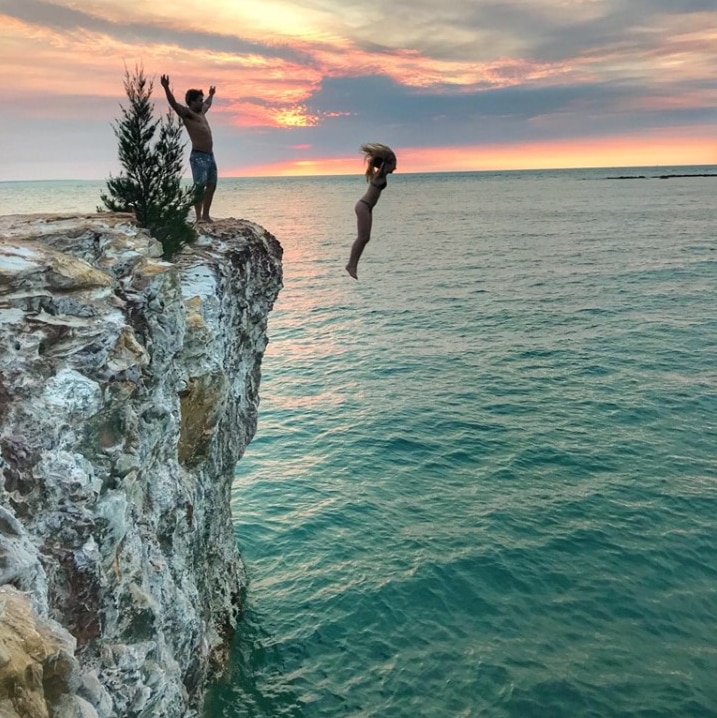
x=193 y=95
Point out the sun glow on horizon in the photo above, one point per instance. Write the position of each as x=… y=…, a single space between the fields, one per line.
x=626 y=151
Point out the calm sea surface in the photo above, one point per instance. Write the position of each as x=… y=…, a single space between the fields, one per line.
x=484 y=481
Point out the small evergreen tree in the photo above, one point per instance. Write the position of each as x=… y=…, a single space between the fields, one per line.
x=151 y=184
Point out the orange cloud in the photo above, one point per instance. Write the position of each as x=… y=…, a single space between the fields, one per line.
x=296 y=116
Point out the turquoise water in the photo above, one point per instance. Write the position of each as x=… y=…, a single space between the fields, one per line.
x=484 y=481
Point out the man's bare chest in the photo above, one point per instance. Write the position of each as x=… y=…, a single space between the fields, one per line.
x=196 y=121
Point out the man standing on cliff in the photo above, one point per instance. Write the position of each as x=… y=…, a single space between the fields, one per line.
x=201 y=160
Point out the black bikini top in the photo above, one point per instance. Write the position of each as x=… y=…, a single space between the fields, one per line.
x=381 y=184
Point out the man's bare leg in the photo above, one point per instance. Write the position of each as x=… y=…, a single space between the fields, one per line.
x=206 y=202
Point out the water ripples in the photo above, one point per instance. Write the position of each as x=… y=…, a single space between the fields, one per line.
x=484 y=481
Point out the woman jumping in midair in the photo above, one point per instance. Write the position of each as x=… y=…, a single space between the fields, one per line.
x=380 y=161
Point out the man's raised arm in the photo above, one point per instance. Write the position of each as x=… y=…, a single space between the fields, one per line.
x=208 y=102
x=181 y=110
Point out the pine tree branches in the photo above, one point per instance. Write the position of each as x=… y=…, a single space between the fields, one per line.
x=150 y=152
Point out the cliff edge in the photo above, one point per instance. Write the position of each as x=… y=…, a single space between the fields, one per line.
x=128 y=392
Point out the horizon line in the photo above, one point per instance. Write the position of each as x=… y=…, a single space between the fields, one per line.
x=425 y=172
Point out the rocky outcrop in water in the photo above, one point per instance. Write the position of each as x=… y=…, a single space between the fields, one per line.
x=128 y=392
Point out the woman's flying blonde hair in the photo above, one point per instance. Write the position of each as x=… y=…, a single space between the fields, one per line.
x=375 y=154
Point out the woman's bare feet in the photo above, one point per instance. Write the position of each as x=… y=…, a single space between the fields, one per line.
x=352 y=271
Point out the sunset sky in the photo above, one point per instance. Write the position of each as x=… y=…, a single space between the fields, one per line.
x=451 y=85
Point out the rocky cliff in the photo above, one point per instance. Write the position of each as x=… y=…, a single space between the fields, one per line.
x=128 y=392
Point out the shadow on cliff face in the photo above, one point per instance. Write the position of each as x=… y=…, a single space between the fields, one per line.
x=17 y=457
x=80 y=601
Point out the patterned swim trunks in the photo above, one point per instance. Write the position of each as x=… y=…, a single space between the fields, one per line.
x=204 y=168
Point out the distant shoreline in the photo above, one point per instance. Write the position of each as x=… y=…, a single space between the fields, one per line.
x=672 y=176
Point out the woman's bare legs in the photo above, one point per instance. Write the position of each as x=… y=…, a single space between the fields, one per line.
x=363 y=225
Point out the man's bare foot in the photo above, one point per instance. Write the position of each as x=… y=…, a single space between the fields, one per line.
x=207 y=219
x=351 y=271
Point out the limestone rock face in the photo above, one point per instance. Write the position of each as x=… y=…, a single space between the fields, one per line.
x=128 y=392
